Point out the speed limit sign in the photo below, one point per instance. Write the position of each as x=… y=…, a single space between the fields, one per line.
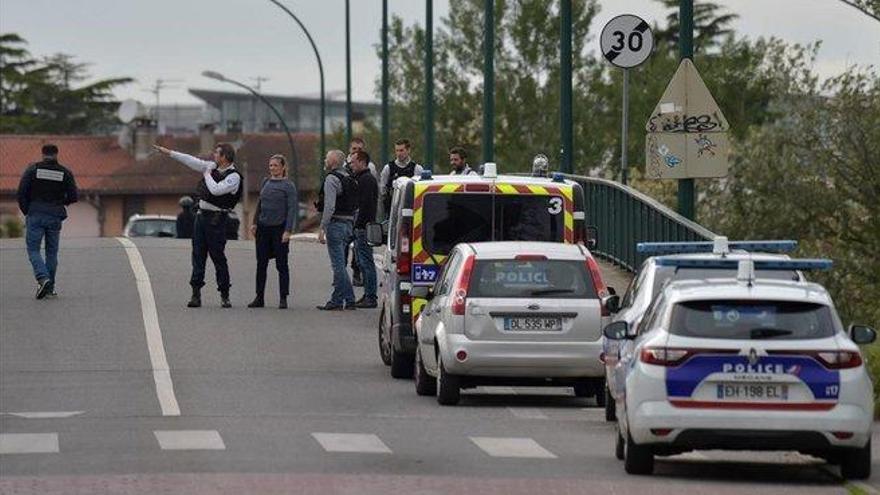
x=626 y=41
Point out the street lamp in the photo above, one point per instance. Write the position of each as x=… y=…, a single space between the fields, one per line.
x=320 y=71
x=294 y=161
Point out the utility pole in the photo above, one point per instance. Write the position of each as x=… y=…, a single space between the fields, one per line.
x=489 y=81
x=347 y=74
x=258 y=83
x=567 y=126
x=429 y=84
x=686 y=50
x=385 y=122
x=157 y=88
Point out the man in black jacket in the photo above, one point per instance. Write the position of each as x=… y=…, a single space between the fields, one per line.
x=368 y=192
x=46 y=188
x=219 y=191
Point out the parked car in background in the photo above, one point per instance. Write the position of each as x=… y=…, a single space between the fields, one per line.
x=151 y=226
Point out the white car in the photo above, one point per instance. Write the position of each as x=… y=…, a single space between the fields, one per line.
x=651 y=278
x=151 y=226
x=744 y=364
x=512 y=313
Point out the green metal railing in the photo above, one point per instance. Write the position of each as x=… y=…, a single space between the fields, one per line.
x=624 y=217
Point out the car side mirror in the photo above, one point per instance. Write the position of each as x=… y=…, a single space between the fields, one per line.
x=374 y=234
x=862 y=334
x=422 y=292
x=616 y=331
x=592 y=237
x=612 y=303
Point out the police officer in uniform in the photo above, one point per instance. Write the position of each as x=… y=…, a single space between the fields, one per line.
x=219 y=191
x=337 y=203
x=46 y=188
x=401 y=166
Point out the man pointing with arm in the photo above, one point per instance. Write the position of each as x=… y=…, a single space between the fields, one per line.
x=218 y=192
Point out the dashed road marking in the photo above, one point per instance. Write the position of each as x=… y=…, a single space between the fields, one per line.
x=28 y=443
x=512 y=447
x=351 y=442
x=161 y=371
x=527 y=412
x=44 y=414
x=189 y=440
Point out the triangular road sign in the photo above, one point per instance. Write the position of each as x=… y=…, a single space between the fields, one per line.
x=687 y=105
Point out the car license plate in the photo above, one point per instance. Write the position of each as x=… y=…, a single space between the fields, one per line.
x=532 y=323
x=752 y=392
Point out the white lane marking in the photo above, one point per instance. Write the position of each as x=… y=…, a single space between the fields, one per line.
x=527 y=412
x=189 y=440
x=351 y=442
x=512 y=447
x=44 y=414
x=161 y=371
x=28 y=443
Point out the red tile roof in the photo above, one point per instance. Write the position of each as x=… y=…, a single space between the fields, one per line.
x=101 y=166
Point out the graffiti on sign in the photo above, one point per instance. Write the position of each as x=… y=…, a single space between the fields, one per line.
x=704 y=145
x=682 y=123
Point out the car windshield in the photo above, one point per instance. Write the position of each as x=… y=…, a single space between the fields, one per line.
x=154 y=228
x=533 y=279
x=752 y=320
x=666 y=273
x=453 y=218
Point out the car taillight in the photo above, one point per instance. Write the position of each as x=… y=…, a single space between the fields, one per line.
x=832 y=360
x=404 y=257
x=664 y=356
x=598 y=283
x=459 y=293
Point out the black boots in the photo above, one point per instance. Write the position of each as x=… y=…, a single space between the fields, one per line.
x=196 y=300
x=224 y=299
x=257 y=302
x=282 y=304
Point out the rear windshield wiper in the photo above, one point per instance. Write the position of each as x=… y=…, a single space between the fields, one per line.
x=768 y=333
x=540 y=292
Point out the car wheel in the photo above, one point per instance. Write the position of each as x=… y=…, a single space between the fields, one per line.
x=401 y=365
x=637 y=459
x=384 y=345
x=425 y=383
x=610 y=406
x=855 y=464
x=620 y=446
x=448 y=388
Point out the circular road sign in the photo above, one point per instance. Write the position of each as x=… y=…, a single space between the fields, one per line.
x=626 y=41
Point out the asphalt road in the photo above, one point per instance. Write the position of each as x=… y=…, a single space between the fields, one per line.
x=283 y=401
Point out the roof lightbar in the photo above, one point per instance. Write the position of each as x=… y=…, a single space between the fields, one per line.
x=721 y=264
x=719 y=246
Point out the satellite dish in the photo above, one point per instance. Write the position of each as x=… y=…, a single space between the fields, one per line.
x=130 y=110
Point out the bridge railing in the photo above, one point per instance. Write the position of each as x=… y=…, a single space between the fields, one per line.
x=624 y=217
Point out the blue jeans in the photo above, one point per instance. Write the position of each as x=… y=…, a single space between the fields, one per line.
x=39 y=226
x=338 y=234
x=365 y=260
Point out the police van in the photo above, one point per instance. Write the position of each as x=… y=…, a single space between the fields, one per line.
x=429 y=215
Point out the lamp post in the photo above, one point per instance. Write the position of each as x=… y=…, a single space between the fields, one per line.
x=294 y=161
x=320 y=71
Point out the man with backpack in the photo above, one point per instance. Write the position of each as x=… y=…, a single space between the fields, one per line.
x=338 y=204
x=401 y=166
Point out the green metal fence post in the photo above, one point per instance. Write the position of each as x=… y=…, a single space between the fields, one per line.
x=567 y=127
x=489 y=81
x=429 y=84
x=686 y=50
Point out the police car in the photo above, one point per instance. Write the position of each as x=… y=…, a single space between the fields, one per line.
x=651 y=278
x=744 y=364
x=512 y=313
x=430 y=214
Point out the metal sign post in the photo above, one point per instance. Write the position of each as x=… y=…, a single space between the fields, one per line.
x=626 y=42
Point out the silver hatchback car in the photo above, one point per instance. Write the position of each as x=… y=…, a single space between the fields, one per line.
x=512 y=313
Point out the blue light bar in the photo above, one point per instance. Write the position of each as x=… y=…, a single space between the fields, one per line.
x=426 y=174
x=728 y=264
x=708 y=246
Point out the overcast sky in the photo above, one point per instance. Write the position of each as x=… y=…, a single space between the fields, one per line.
x=243 y=39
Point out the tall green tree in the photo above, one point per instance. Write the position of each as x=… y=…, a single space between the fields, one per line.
x=47 y=95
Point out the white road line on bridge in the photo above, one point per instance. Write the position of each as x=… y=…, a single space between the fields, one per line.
x=527 y=412
x=161 y=371
x=351 y=442
x=512 y=447
x=28 y=443
x=44 y=414
x=189 y=440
